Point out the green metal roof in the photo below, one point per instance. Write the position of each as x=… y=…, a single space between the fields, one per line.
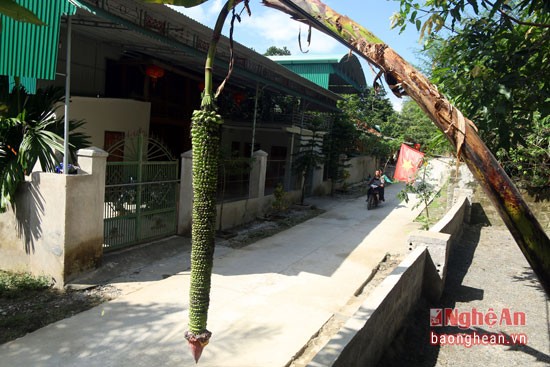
x=317 y=73
x=341 y=74
x=29 y=50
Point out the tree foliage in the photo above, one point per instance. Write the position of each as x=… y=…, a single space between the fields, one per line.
x=495 y=66
x=338 y=142
x=309 y=156
x=413 y=126
x=367 y=112
x=31 y=133
x=18 y=12
x=277 y=51
x=431 y=16
x=369 y=107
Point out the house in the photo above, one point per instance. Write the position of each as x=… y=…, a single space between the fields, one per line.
x=136 y=72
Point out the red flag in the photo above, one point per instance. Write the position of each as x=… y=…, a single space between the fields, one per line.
x=407 y=164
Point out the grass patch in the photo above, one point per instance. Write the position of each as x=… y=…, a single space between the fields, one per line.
x=13 y=285
x=28 y=303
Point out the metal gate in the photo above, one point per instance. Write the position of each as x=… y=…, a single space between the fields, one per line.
x=140 y=193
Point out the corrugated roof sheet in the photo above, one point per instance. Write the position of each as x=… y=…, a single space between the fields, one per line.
x=317 y=73
x=29 y=50
x=304 y=59
x=343 y=74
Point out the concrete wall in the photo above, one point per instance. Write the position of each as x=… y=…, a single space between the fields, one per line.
x=56 y=229
x=234 y=213
x=366 y=335
x=361 y=167
x=239 y=212
x=452 y=221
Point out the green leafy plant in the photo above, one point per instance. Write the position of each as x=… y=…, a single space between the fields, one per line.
x=345 y=176
x=309 y=157
x=15 y=11
x=340 y=141
x=279 y=194
x=495 y=68
x=423 y=190
x=529 y=163
x=31 y=133
x=12 y=284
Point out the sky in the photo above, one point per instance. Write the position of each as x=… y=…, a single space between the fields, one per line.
x=269 y=27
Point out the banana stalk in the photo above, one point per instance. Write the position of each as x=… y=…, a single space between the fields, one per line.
x=404 y=80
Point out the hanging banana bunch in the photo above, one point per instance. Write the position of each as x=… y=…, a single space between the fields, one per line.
x=205 y=136
x=205 y=139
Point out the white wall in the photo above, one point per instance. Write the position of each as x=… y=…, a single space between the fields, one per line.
x=360 y=168
x=56 y=229
x=110 y=114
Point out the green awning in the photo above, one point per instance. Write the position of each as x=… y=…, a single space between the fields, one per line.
x=29 y=50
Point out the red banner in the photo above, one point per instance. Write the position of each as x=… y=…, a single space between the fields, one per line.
x=407 y=164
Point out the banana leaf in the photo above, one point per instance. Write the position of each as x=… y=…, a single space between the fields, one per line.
x=13 y=10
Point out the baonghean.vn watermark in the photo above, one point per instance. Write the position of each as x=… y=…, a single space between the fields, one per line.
x=465 y=319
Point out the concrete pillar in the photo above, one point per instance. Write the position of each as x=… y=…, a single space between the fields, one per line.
x=85 y=196
x=256 y=186
x=469 y=193
x=438 y=245
x=317 y=177
x=186 y=193
x=288 y=180
x=93 y=161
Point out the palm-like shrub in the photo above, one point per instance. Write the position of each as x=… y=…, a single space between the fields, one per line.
x=30 y=132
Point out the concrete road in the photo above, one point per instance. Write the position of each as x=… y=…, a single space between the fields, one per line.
x=267 y=299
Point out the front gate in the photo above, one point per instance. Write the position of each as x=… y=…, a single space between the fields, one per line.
x=140 y=193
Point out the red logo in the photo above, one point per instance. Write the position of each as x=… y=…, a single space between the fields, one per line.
x=436 y=317
x=474 y=317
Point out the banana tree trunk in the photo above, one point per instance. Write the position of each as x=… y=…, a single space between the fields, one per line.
x=404 y=80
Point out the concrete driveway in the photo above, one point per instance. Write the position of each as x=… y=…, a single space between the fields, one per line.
x=268 y=299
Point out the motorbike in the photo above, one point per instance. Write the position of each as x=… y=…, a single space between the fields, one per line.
x=373 y=197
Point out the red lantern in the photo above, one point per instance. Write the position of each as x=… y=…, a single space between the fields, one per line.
x=238 y=97
x=154 y=72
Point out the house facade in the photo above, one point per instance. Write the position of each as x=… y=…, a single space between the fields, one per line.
x=136 y=72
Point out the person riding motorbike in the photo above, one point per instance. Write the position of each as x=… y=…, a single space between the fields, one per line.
x=379 y=181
